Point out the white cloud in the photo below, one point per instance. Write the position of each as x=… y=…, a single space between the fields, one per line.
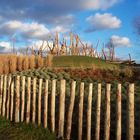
x=119 y=41
x=99 y=4
x=60 y=29
x=5 y=46
x=33 y=29
x=103 y=21
x=50 y=11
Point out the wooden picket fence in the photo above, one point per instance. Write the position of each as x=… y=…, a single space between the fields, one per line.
x=20 y=102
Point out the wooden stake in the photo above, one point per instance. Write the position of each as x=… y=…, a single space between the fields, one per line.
x=12 y=100
x=89 y=112
x=80 y=117
x=46 y=104
x=107 y=113
x=17 y=102
x=34 y=101
x=4 y=95
x=28 y=100
x=53 y=105
x=8 y=97
x=1 y=92
x=39 y=101
x=130 y=110
x=118 y=113
x=23 y=99
x=70 y=110
x=61 y=109
x=98 y=113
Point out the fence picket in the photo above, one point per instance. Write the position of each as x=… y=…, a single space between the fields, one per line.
x=12 y=100
x=89 y=112
x=130 y=114
x=118 y=113
x=1 y=92
x=23 y=99
x=46 y=104
x=80 y=117
x=34 y=101
x=28 y=100
x=4 y=95
x=53 y=105
x=17 y=98
x=8 y=97
x=98 y=113
x=39 y=101
x=61 y=108
x=107 y=113
x=70 y=110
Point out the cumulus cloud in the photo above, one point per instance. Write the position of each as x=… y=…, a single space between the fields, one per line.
x=120 y=41
x=32 y=30
x=5 y=46
x=103 y=22
x=49 y=11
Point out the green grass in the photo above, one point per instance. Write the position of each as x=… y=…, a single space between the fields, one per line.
x=22 y=131
x=80 y=61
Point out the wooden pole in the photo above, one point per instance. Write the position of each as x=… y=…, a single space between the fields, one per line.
x=46 y=105
x=4 y=96
x=23 y=99
x=89 y=112
x=8 y=97
x=80 y=117
x=28 y=99
x=12 y=100
x=70 y=110
x=61 y=109
x=34 y=101
x=107 y=113
x=17 y=102
x=1 y=91
x=130 y=110
x=53 y=105
x=39 y=101
x=98 y=113
x=118 y=113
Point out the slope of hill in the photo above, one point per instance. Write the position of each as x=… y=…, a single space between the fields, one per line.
x=81 y=61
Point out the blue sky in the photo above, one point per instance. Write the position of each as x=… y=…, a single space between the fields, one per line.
x=93 y=20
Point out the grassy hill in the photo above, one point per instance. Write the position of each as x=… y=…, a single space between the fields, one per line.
x=21 y=131
x=80 y=61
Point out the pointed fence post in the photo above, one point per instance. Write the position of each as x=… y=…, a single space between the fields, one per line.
x=17 y=98
x=23 y=99
x=28 y=100
x=46 y=104
x=8 y=97
x=130 y=114
x=12 y=100
x=70 y=110
x=39 y=101
x=1 y=92
x=61 y=109
x=118 y=113
x=98 y=113
x=80 y=116
x=89 y=112
x=53 y=92
x=107 y=113
x=34 y=102
x=4 y=95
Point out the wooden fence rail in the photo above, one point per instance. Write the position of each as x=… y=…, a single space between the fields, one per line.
x=35 y=102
